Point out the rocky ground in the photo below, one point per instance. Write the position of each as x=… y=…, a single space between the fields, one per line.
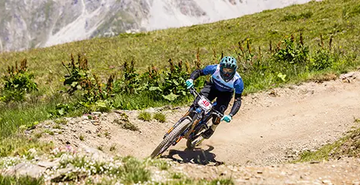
x=271 y=129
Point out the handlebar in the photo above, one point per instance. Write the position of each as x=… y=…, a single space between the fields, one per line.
x=193 y=91
x=217 y=113
x=214 y=111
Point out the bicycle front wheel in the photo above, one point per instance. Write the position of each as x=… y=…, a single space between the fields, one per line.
x=169 y=139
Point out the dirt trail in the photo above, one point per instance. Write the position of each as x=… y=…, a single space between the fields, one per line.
x=302 y=118
x=275 y=126
x=271 y=128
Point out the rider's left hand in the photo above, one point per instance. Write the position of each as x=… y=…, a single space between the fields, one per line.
x=226 y=118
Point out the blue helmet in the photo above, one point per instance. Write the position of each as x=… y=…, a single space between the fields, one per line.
x=228 y=66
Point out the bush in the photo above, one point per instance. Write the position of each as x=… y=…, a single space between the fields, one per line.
x=160 y=117
x=293 y=52
x=18 y=82
x=321 y=60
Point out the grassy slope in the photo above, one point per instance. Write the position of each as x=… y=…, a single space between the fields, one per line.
x=328 y=17
x=339 y=18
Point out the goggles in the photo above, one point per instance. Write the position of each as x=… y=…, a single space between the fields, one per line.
x=228 y=70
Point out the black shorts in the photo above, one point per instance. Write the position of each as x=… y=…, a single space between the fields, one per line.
x=223 y=98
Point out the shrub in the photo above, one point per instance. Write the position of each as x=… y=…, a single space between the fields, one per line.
x=91 y=95
x=18 y=82
x=174 y=82
x=80 y=78
x=321 y=60
x=292 y=52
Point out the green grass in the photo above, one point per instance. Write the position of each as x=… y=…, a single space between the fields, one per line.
x=130 y=171
x=161 y=164
x=60 y=121
x=16 y=114
x=321 y=154
x=145 y=116
x=20 y=145
x=6 y=180
x=106 y=55
x=160 y=117
x=330 y=18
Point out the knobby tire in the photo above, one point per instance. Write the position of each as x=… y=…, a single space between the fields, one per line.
x=167 y=141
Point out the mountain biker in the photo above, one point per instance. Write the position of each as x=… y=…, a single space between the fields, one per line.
x=223 y=82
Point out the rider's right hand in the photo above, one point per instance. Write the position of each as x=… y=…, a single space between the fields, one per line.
x=226 y=118
x=189 y=83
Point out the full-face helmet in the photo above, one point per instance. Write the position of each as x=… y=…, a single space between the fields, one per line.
x=228 y=66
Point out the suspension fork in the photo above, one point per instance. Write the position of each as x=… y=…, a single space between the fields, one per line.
x=192 y=128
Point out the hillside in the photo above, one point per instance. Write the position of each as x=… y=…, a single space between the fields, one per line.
x=73 y=112
x=335 y=18
x=33 y=24
x=272 y=129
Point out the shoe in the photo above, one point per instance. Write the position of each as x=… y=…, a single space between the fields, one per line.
x=208 y=133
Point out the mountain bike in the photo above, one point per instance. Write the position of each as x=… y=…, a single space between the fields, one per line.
x=191 y=125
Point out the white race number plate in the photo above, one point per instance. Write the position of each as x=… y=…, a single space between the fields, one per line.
x=205 y=104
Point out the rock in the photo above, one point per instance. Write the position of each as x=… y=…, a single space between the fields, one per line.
x=346 y=78
x=223 y=173
x=47 y=164
x=348 y=75
x=96 y=113
x=150 y=110
x=95 y=122
x=84 y=117
x=26 y=169
x=327 y=182
x=61 y=174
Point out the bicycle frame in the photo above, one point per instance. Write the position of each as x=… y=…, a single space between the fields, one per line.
x=198 y=115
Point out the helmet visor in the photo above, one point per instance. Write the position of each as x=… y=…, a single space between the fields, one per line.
x=228 y=71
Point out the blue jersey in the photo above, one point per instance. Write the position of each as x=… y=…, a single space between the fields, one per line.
x=235 y=83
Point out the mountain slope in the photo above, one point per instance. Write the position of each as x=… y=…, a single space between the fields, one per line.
x=41 y=23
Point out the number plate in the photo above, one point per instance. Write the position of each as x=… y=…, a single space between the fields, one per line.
x=205 y=104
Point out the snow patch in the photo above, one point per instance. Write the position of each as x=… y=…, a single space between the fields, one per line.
x=164 y=15
x=78 y=29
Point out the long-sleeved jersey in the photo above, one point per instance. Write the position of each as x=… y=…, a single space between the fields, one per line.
x=236 y=83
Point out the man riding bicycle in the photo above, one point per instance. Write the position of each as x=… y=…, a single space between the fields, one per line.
x=224 y=80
